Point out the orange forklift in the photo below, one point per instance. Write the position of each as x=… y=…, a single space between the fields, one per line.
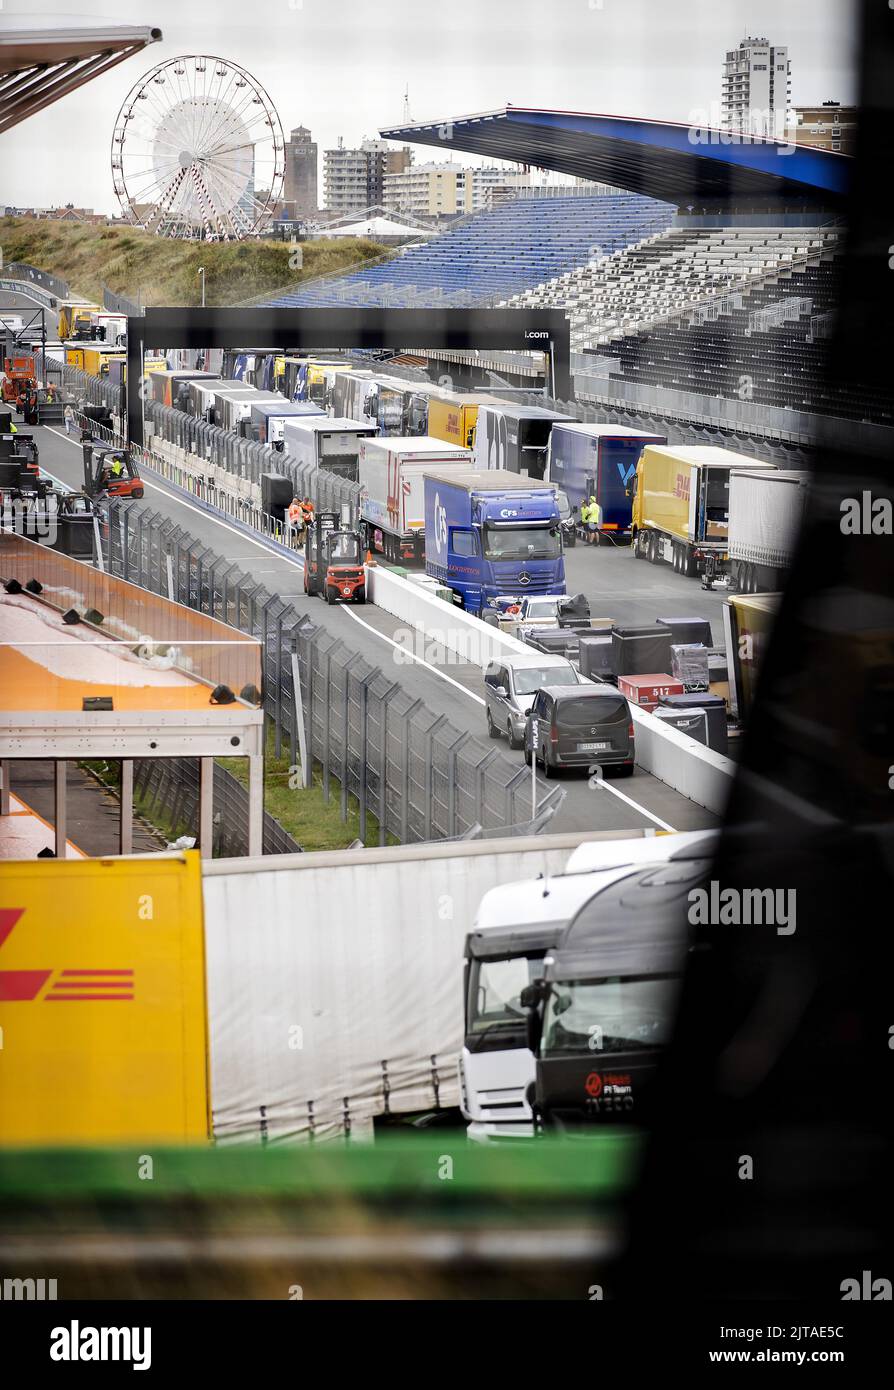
x=110 y=472
x=333 y=561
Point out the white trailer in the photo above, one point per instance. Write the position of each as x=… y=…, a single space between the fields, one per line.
x=326 y=442
x=392 y=490
x=765 y=513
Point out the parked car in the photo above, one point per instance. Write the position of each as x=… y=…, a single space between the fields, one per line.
x=578 y=727
x=510 y=685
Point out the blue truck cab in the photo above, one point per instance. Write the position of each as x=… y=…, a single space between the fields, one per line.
x=598 y=461
x=490 y=533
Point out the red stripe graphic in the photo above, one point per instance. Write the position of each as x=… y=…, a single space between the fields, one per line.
x=72 y=998
x=16 y=985
x=8 y=918
x=97 y=972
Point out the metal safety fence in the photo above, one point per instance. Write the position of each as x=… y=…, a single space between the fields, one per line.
x=415 y=772
x=246 y=460
x=168 y=789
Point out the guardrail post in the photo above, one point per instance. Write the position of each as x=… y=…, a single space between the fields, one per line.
x=383 y=769
x=451 y=784
x=277 y=730
x=405 y=772
x=346 y=735
x=327 y=691
x=299 y=728
x=430 y=735
x=364 y=746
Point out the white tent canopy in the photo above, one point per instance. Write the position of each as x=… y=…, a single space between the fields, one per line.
x=377 y=227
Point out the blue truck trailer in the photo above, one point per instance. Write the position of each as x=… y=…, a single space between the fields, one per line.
x=490 y=533
x=598 y=461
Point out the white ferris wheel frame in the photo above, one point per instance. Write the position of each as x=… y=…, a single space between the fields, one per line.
x=241 y=219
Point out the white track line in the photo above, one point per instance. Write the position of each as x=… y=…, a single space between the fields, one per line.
x=635 y=804
x=418 y=659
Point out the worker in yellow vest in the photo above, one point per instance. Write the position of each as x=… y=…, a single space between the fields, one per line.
x=591 y=516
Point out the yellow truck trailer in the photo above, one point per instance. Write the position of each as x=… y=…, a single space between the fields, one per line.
x=747 y=621
x=453 y=416
x=96 y=358
x=680 y=511
x=75 y=317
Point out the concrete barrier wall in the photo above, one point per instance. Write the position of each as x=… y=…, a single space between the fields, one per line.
x=701 y=775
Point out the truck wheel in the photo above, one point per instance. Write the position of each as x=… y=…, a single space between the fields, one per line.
x=637 y=546
x=360 y=596
x=653 y=549
x=330 y=596
x=689 y=566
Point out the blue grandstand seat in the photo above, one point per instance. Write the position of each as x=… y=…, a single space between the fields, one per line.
x=495 y=254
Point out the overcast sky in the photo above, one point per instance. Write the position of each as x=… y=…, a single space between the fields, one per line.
x=341 y=66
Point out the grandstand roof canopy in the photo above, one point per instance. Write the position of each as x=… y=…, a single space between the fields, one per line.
x=691 y=166
x=44 y=57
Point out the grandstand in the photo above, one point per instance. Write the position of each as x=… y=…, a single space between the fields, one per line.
x=495 y=254
x=673 y=274
x=704 y=311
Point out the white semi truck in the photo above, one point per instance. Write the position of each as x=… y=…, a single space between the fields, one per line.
x=392 y=490
x=515 y=927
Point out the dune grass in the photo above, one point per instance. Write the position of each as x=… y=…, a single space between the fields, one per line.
x=161 y=271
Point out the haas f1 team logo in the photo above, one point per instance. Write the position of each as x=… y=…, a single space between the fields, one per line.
x=65 y=986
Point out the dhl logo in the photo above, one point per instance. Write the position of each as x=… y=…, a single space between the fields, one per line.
x=681 y=486
x=67 y=986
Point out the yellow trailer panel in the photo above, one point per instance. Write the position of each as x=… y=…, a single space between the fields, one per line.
x=102 y=1006
x=663 y=489
x=453 y=417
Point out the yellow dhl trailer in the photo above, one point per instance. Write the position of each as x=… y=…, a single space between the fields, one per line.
x=96 y=359
x=680 y=512
x=452 y=416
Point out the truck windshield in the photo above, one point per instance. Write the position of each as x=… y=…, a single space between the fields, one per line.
x=533 y=677
x=522 y=543
x=493 y=1004
x=594 y=1017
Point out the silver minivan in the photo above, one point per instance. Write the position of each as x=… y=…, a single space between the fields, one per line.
x=510 y=684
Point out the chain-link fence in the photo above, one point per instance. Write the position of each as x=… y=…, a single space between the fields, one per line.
x=420 y=776
x=168 y=790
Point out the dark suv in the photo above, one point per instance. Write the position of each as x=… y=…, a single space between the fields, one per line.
x=579 y=725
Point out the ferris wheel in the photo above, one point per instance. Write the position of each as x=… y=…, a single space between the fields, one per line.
x=198 y=151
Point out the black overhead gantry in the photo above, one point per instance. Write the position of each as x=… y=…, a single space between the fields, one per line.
x=305 y=330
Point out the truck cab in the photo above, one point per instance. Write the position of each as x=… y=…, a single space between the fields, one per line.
x=492 y=533
x=516 y=926
x=604 y=1008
